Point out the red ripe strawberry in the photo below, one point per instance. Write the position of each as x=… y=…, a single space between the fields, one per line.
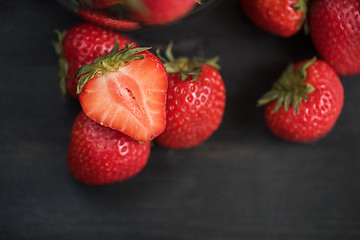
x=280 y=17
x=158 y=12
x=335 y=31
x=309 y=98
x=105 y=3
x=195 y=101
x=79 y=46
x=104 y=18
x=126 y=91
x=99 y=155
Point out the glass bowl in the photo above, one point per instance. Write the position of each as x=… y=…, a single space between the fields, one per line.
x=127 y=15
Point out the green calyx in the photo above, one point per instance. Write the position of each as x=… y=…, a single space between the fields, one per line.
x=290 y=88
x=63 y=65
x=137 y=5
x=185 y=66
x=302 y=6
x=111 y=62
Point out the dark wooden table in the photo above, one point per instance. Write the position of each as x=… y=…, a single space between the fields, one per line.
x=243 y=183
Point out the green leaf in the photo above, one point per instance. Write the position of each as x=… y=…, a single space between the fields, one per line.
x=161 y=58
x=63 y=65
x=111 y=62
x=287 y=74
x=83 y=70
x=302 y=94
x=114 y=50
x=137 y=6
x=290 y=88
x=58 y=44
x=184 y=65
x=279 y=102
x=183 y=76
x=213 y=62
x=169 y=53
x=131 y=52
x=268 y=97
x=309 y=88
x=287 y=100
x=302 y=5
x=296 y=103
x=302 y=68
x=82 y=81
x=171 y=68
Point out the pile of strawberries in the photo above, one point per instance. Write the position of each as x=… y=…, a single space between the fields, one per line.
x=131 y=97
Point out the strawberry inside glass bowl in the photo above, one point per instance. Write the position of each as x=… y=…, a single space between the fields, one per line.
x=126 y=15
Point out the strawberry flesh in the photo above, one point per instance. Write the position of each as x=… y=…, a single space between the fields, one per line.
x=130 y=100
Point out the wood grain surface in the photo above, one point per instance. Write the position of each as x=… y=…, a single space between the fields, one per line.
x=243 y=183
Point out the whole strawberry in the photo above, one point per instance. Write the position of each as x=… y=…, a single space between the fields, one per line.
x=280 y=17
x=79 y=46
x=195 y=101
x=335 y=31
x=305 y=102
x=99 y=155
x=126 y=91
x=159 y=12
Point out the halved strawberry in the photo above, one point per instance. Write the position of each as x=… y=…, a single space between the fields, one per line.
x=126 y=91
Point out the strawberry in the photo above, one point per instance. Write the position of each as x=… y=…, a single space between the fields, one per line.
x=280 y=17
x=195 y=101
x=104 y=18
x=79 y=46
x=305 y=102
x=99 y=155
x=335 y=31
x=159 y=12
x=126 y=91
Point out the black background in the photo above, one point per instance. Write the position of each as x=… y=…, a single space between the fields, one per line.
x=243 y=183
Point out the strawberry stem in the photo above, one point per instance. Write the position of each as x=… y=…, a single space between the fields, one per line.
x=290 y=88
x=303 y=5
x=183 y=65
x=111 y=62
